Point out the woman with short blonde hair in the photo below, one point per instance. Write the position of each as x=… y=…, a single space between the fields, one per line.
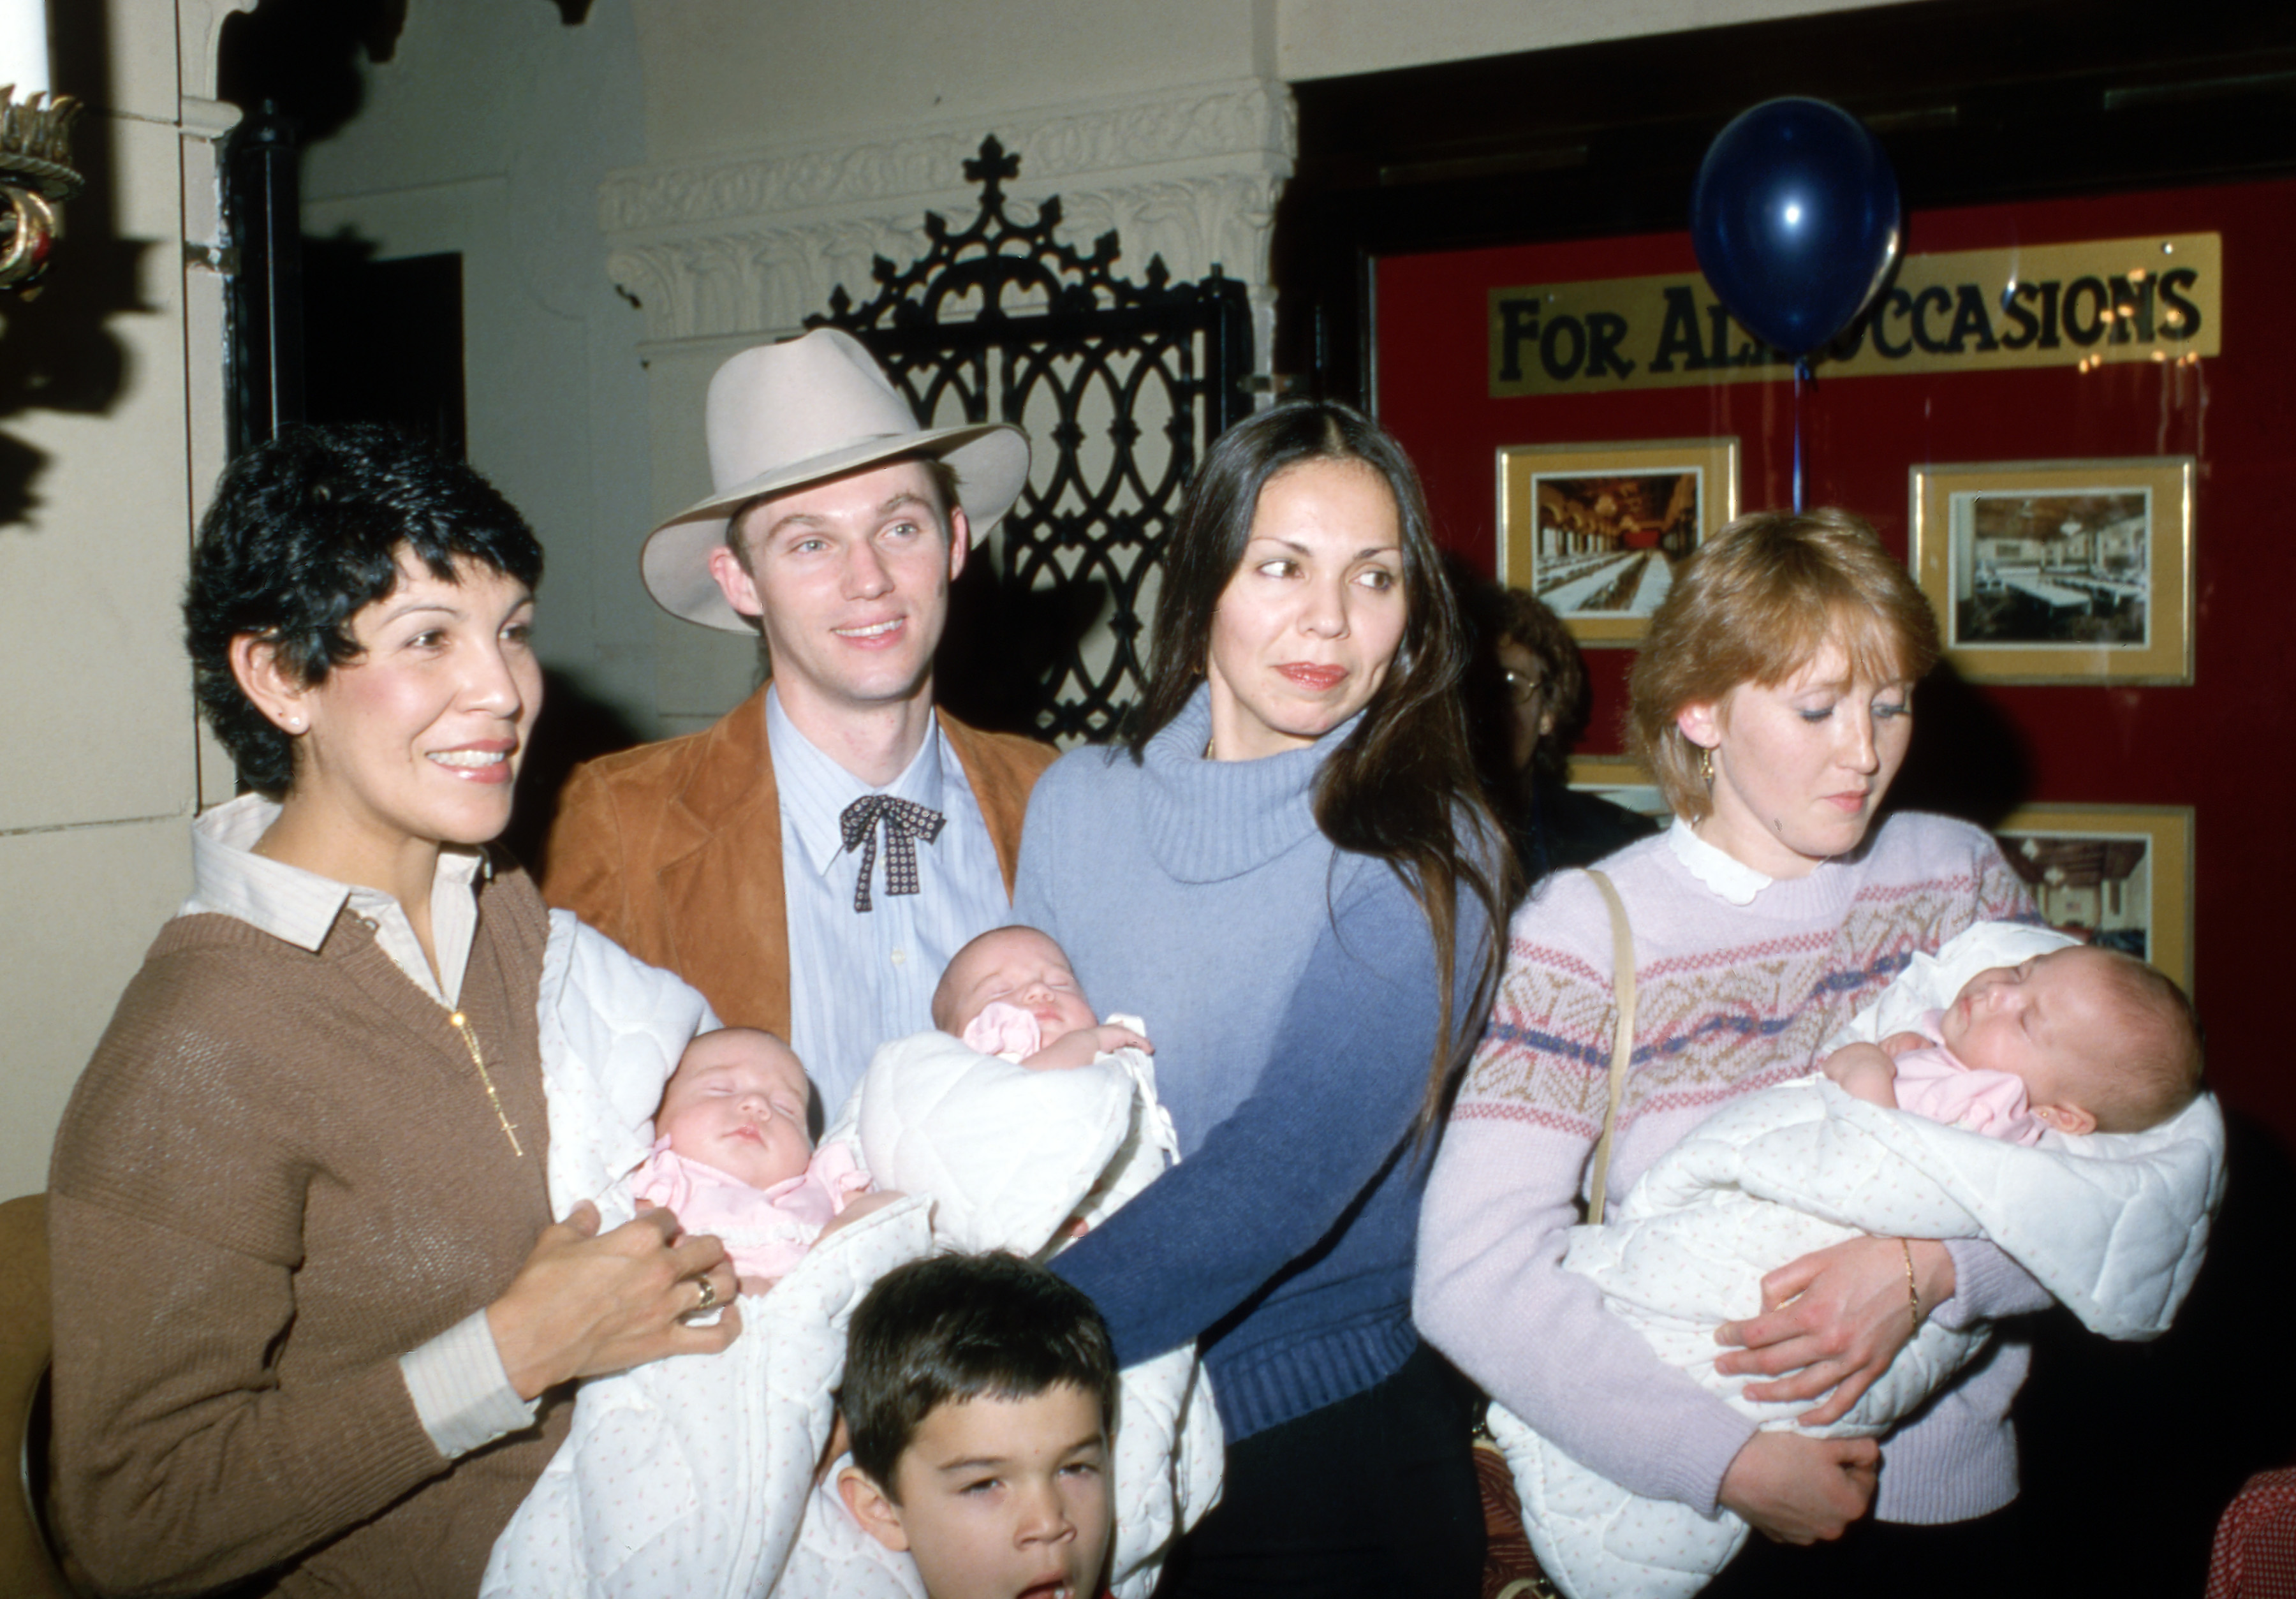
x=1764 y=598
x=1773 y=703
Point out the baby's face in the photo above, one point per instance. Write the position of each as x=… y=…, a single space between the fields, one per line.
x=2048 y=1022
x=737 y=1104
x=1022 y=967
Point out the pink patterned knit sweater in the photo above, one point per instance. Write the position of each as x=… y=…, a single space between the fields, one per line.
x=1732 y=998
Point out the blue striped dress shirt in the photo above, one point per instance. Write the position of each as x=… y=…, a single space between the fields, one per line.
x=860 y=980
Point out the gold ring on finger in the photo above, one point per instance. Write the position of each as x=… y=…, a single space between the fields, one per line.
x=709 y=1294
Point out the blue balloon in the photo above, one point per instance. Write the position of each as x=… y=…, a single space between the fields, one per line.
x=1795 y=220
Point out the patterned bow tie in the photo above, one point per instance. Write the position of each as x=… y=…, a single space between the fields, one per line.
x=906 y=822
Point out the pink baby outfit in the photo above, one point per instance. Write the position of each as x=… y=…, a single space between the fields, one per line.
x=1004 y=1030
x=1933 y=1083
x=765 y=1231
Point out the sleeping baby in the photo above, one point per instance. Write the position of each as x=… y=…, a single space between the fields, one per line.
x=696 y=1475
x=2096 y=1165
x=1027 y=1119
x=732 y=1158
x=691 y=1474
x=2078 y=1040
x=1012 y=993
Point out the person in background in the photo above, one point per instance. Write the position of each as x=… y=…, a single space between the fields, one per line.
x=1527 y=705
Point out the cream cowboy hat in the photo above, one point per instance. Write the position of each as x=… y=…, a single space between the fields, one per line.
x=783 y=415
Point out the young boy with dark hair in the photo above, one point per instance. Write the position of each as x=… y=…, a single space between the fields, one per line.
x=981 y=1394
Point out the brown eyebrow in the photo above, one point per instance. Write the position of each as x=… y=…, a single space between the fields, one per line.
x=1095 y=1439
x=805 y=519
x=1296 y=547
x=976 y=1462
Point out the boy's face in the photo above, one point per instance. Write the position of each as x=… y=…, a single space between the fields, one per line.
x=2048 y=1022
x=1000 y=1498
x=1025 y=968
x=737 y=1104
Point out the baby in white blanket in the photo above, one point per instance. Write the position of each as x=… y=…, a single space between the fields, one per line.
x=2039 y=1044
x=694 y=1475
x=964 y=1112
x=2078 y=1040
x=1012 y=993
x=731 y=1157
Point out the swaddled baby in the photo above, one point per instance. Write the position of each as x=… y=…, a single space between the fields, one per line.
x=1012 y=993
x=690 y=1475
x=2098 y=1165
x=2079 y=1040
x=731 y=1157
x=1026 y=1119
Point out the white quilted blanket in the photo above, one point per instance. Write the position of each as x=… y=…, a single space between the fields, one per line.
x=1010 y=1156
x=692 y=1476
x=2113 y=1226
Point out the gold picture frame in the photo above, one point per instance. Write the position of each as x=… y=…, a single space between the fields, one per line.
x=1621 y=780
x=2120 y=875
x=1595 y=529
x=2060 y=572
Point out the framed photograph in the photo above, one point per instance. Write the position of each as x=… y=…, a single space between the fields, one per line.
x=1621 y=781
x=2060 y=572
x=1595 y=529
x=2117 y=875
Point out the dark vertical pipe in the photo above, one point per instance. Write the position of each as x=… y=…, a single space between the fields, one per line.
x=262 y=201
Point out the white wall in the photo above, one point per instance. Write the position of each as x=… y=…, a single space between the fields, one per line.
x=102 y=770
x=487 y=133
x=1331 y=38
x=728 y=76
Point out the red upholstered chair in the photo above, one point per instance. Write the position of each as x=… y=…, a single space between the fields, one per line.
x=2255 y=1554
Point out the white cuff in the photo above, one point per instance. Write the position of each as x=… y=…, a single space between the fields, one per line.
x=461 y=1392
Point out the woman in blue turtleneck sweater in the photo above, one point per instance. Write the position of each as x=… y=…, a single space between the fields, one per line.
x=1291 y=874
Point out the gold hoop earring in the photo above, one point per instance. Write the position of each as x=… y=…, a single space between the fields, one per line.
x=1706 y=766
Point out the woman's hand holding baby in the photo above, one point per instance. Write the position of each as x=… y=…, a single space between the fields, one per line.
x=1793 y=1489
x=585 y=1303
x=1834 y=1319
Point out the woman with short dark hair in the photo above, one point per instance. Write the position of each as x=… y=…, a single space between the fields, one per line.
x=1772 y=701
x=312 y=1320
x=1292 y=874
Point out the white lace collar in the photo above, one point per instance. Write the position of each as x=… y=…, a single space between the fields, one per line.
x=1728 y=876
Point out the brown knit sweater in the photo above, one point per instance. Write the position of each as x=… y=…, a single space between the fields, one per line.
x=278 y=1174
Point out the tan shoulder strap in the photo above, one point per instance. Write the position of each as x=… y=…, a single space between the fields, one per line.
x=1622 y=1042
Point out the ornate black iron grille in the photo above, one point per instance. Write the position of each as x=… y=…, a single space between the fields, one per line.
x=1120 y=385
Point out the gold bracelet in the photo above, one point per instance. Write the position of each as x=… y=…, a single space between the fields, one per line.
x=1912 y=1290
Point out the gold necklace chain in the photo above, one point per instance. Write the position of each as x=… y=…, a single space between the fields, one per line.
x=461 y=1025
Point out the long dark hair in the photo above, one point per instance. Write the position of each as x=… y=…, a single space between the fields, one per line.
x=1402 y=786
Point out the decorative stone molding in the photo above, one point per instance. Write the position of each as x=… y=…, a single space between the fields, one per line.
x=753 y=245
x=199 y=31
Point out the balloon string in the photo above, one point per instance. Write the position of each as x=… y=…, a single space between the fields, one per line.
x=1801 y=372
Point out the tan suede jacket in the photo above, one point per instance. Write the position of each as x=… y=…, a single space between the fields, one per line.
x=674 y=850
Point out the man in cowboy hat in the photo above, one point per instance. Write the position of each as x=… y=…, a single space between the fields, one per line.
x=745 y=857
